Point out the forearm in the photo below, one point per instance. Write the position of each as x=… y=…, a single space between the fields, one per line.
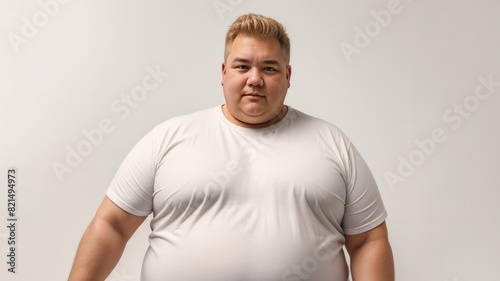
x=98 y=253
x=373 y=261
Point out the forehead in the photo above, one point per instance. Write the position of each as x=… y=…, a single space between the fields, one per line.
x=252 y=46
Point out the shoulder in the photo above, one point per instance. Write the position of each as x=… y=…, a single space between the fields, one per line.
x=320 y=127
x=187 y=122
x=190 y=118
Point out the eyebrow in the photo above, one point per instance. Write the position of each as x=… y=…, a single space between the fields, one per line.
x=270 y=61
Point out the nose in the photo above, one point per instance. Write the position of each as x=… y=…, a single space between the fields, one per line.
x=255 y=78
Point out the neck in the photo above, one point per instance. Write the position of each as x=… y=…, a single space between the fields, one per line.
x=278 y=117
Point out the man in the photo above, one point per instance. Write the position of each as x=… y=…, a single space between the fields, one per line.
x=250 y=190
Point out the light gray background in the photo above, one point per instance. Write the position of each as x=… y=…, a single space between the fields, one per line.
x=394 y=92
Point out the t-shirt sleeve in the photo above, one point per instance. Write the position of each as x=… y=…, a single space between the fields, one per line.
x=132 y=187
x=364 y=209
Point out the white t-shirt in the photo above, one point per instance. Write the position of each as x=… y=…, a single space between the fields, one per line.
x=232 y=203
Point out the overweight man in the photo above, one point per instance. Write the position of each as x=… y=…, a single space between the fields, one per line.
x=250 y=190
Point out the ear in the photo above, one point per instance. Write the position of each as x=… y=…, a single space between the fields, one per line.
x=288 y=74
x=223 y=73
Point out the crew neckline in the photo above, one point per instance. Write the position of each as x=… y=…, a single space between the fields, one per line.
x=265 y=130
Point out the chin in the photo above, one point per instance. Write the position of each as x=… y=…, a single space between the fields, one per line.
x=254 y=116
x=254 y=109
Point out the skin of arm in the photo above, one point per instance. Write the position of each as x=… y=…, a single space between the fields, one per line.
x=103 y=242
x=371 y=255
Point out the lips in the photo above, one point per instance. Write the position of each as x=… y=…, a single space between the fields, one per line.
x=253 y=95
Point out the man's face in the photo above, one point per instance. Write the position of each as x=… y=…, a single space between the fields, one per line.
x=255 y=79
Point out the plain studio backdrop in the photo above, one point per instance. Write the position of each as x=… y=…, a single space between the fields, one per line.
x=415 y=84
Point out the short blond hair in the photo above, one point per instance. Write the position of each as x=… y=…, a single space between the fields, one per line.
x=260 y=26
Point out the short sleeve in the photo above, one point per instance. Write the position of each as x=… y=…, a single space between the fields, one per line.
x=364 y=209
x=133 y=185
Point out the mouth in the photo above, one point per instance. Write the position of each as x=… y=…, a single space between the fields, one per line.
x=254 y=95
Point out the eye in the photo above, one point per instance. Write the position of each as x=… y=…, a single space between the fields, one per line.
x=244 y=67
x=269 y=69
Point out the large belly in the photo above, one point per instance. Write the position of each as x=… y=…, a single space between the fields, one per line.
x=212 y=255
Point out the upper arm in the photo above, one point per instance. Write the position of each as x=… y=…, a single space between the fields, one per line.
x=371 y=255
x=132 y=187
x=364 y=208
x=377 y=234
x=121 y=221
